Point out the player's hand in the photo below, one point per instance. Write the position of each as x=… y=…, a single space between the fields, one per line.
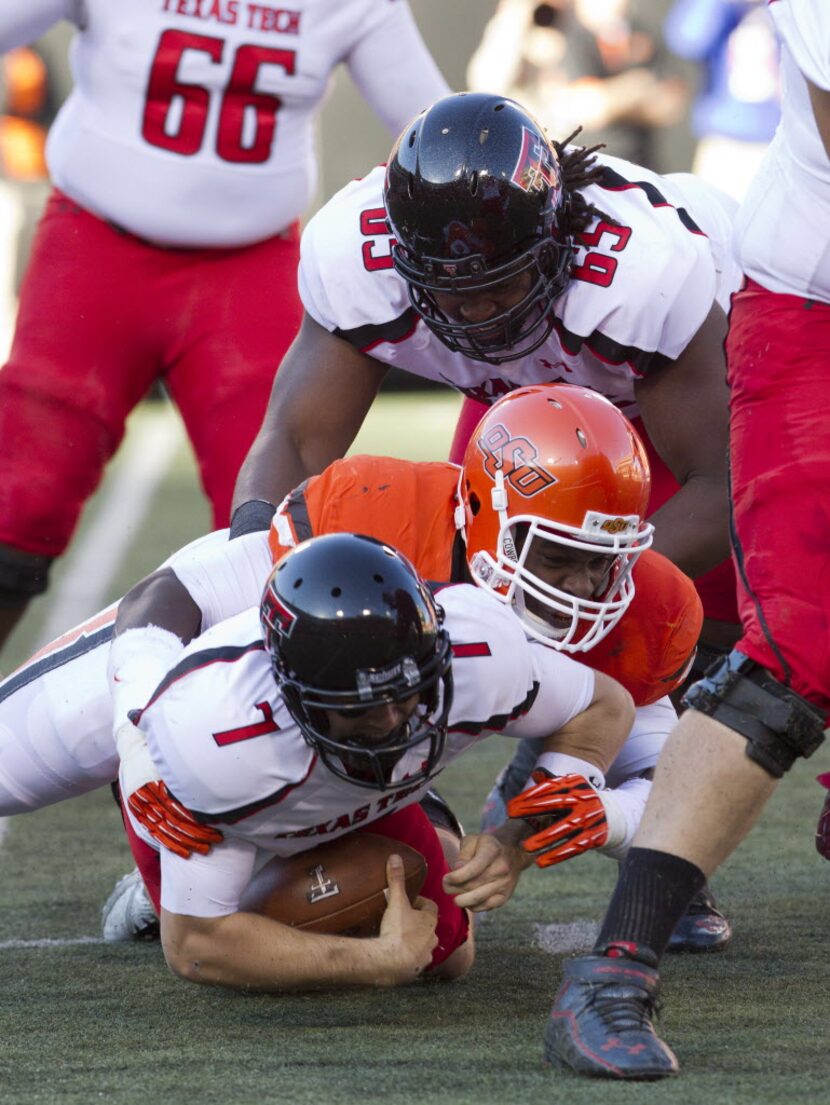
x=570 y=817
x=152 y=804
x=407 y=932
x=485 y=874
x=168 y=822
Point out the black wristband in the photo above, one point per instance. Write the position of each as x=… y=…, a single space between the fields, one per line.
x=252 y=517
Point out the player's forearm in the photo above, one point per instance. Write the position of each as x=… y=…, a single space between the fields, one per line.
x=276 y=464
x=692 y=528
x=246 y=952
x=320 y=397
x=598 y=733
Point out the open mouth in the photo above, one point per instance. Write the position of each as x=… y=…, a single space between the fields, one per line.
x=490 y=337
x=547 y=615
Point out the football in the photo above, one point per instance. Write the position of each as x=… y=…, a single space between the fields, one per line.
x=337 y=888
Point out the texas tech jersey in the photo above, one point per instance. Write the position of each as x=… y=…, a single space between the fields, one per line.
x=228 y=748
x=643 y=282
x=781 y=231
x=191 y=121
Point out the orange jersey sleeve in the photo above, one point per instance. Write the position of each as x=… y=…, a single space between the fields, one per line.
x=406 y=503
x=651 y=647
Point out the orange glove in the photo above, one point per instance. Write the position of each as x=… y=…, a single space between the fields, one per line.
x=569 y=814
x=168 y=822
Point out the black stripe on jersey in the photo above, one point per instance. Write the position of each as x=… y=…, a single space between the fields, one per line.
x=642 y=361
x=297 y=509
x=230 y=817
x=228 y=654
x=365 y=338
x=498 y=721
x=614 y=182
x=55 y=660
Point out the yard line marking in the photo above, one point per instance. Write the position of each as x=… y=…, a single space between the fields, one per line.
x=560 y=939
x=45 y=942
x=147 y=456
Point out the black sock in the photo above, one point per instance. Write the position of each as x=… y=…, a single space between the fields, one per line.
x=652 y=894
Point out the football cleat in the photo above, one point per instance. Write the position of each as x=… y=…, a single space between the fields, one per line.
x=600 y=1024
x=128 y=913
x=702 y=928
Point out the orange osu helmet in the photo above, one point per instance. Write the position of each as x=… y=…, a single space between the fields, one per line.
x=555 y=463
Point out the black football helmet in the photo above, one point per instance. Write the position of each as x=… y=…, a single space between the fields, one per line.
x=473 y=192
x=351 y=626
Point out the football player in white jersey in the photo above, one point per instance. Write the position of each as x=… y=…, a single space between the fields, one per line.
x=487 y=257
x=596 y=459
x=168 y=250
x=360 y=691
x=768 y=702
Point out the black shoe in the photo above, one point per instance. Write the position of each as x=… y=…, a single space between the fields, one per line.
x=600 y=1024
x=702 y=928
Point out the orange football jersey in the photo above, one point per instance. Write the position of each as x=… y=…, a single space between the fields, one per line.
x=412 y=506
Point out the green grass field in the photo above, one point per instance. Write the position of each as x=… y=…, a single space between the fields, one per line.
x=81 y=1021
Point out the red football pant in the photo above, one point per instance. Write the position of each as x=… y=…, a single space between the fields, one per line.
x=716 y=587
x=778 y=360
x=409 y=825
x=102 y=316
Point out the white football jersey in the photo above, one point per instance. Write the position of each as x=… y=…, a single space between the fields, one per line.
x=781 y=233
x=640 y=290
x=191 y=121
x=227 y=747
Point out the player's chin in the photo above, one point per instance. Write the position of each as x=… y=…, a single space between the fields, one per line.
x=493 y=340
x=559 y=623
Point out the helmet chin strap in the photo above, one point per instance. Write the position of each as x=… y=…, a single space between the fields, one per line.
x=498 y=498
x=498 y=501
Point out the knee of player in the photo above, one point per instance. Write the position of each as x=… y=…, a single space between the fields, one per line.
x=186 y=950
x=458 y=964
x=778 y=724
x=181 y=963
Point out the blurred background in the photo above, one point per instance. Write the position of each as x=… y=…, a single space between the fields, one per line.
x=671 y=84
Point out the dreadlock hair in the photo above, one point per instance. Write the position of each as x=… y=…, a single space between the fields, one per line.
x=579 y=168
